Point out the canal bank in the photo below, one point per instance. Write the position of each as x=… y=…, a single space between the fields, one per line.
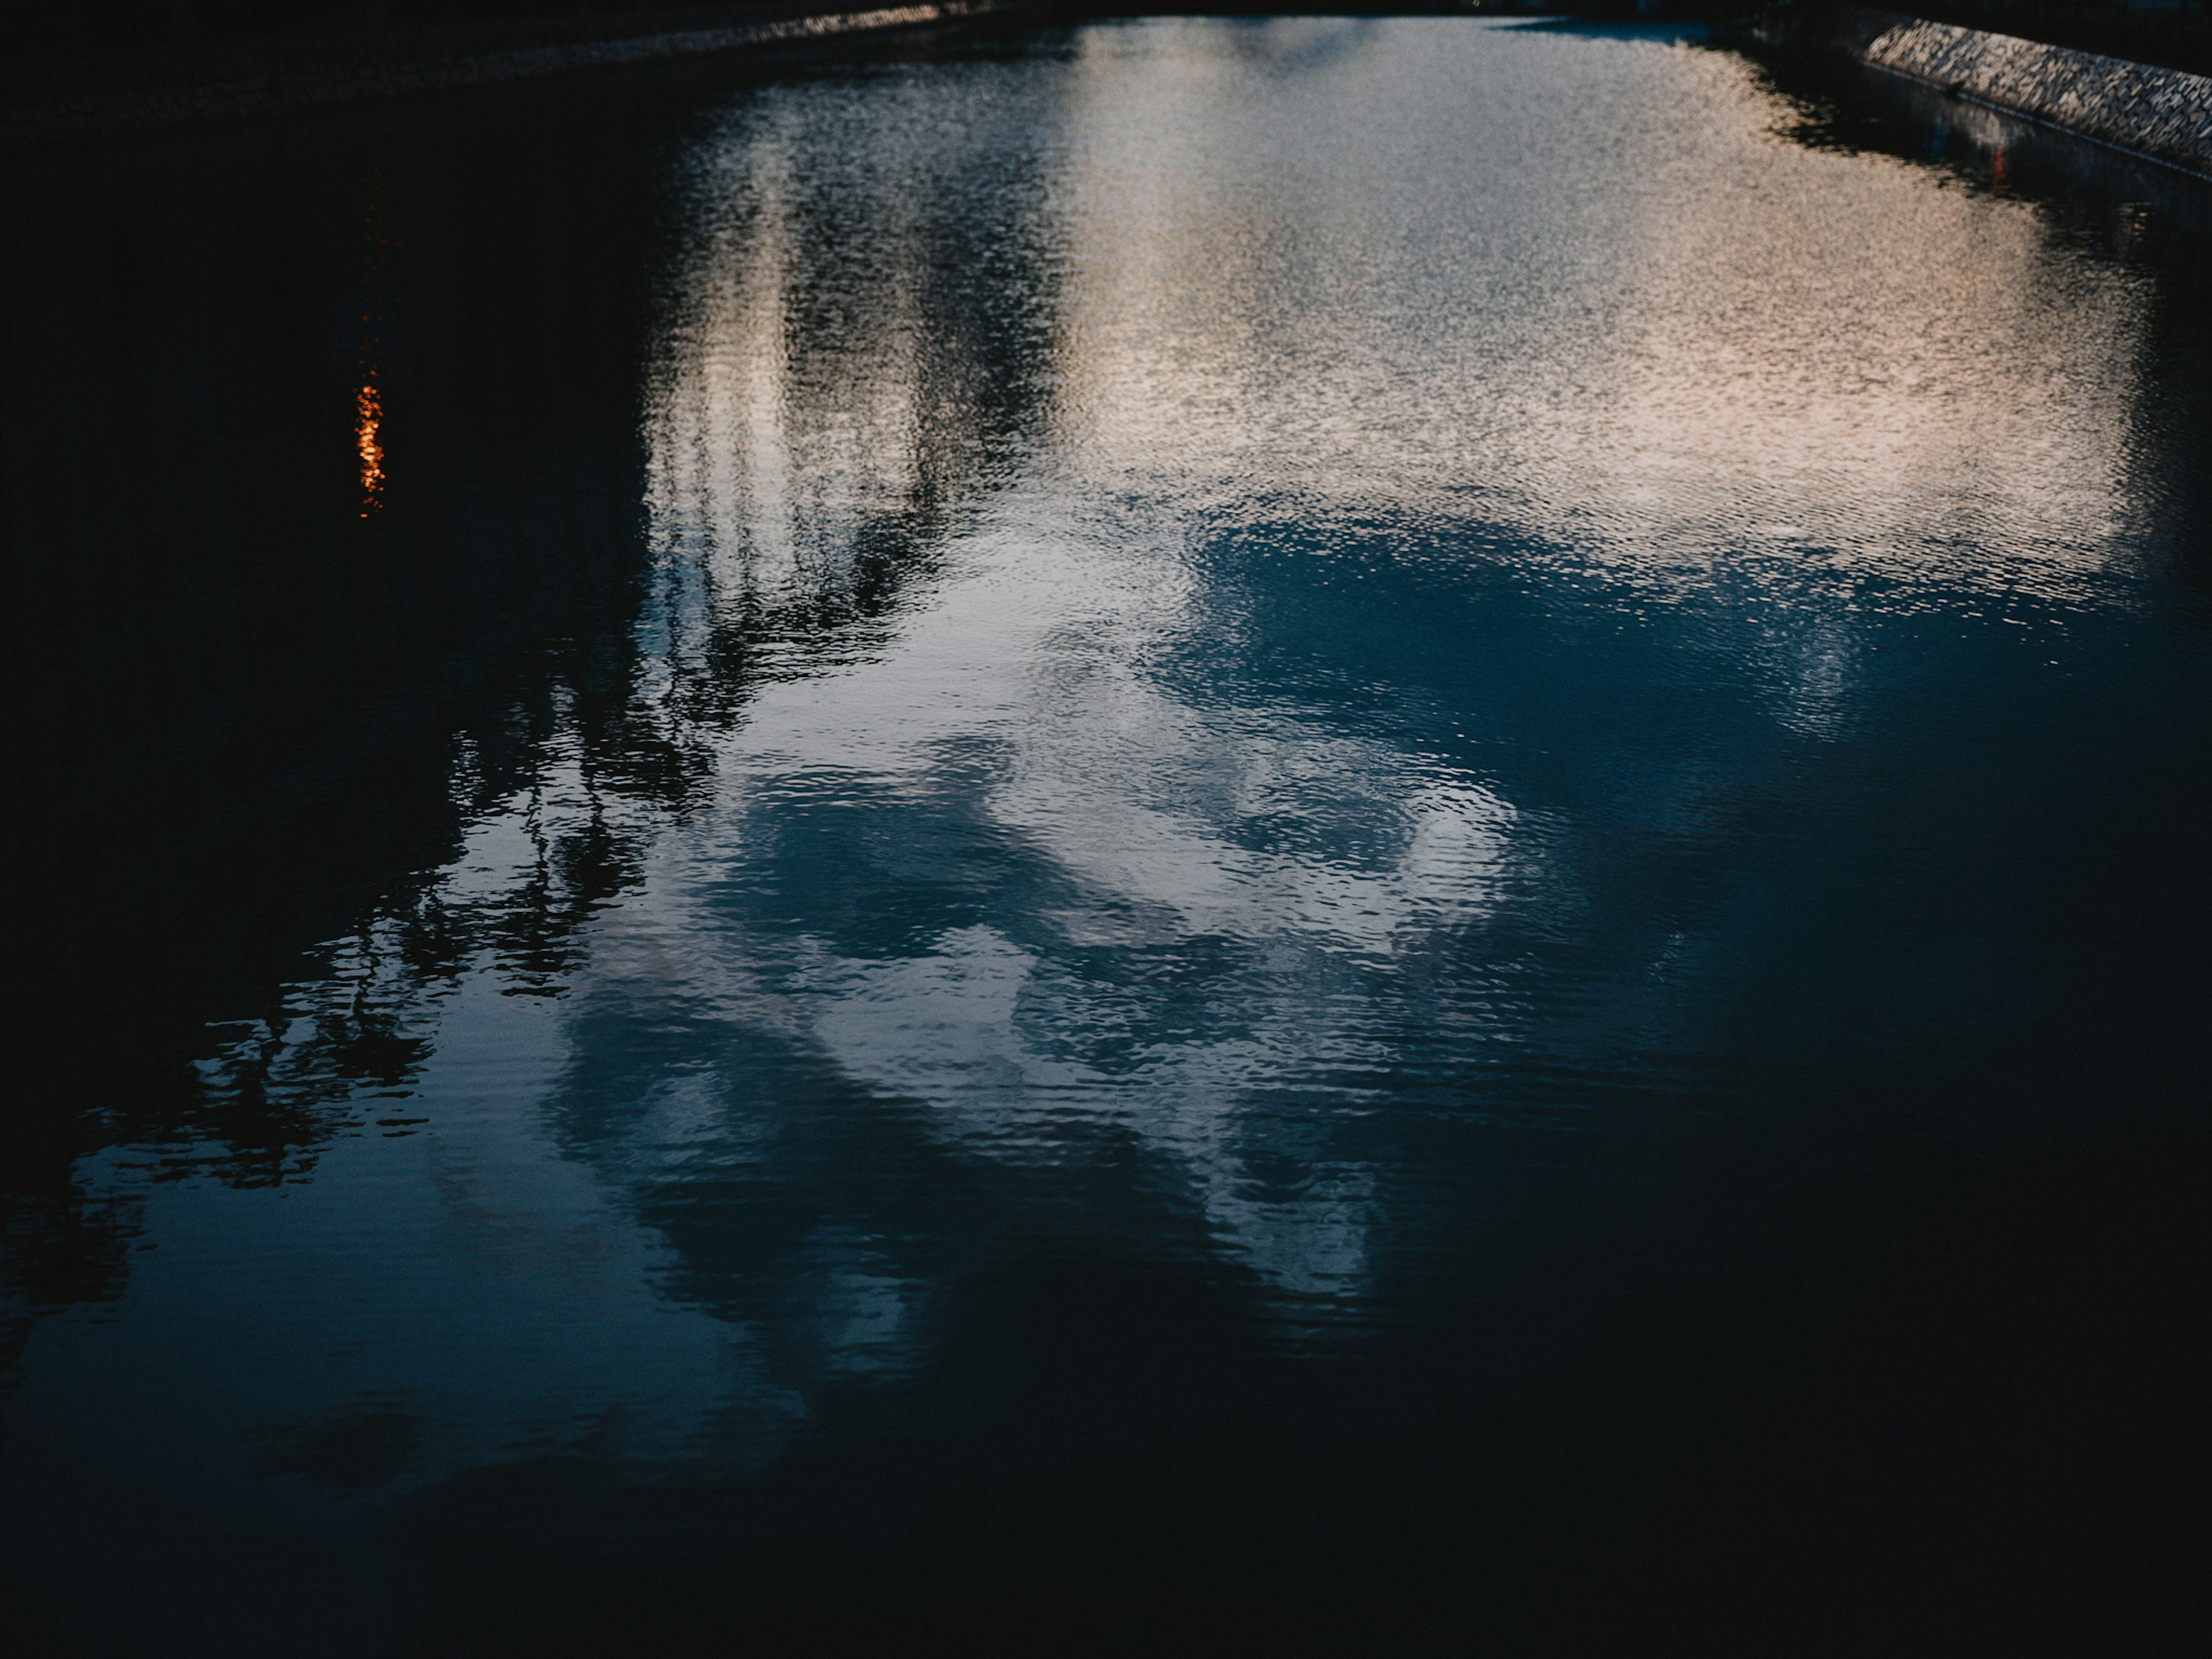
x=122 y=72
x=47 y=101
x=2162 y=115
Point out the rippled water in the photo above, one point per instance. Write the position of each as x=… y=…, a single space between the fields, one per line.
x=1165 y=830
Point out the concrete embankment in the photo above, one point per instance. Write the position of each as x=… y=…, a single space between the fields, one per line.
x=2163 y=115
x=62 y=102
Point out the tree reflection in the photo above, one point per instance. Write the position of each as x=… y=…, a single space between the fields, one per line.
x=387 y=747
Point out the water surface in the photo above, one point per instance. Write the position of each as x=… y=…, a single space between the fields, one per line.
x=1138 y=834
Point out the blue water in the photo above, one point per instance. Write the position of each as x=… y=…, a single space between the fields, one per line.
x=1181 y=833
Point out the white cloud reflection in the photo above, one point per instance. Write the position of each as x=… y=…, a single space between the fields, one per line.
x=942 y=572
x=1596 y=326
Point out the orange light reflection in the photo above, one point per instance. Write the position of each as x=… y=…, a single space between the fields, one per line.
x=368 y=413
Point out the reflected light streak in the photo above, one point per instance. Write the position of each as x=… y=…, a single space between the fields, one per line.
x=369 y=419
x=376 y=311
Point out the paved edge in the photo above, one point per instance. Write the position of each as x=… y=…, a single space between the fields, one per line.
x=40 y=124
x=2162 y=115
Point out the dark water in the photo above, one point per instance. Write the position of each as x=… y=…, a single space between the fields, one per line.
x=1262 y=835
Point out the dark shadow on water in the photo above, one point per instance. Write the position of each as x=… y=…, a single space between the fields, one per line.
x=1137 y=1479
x=359 y=1449
x=2128 y=208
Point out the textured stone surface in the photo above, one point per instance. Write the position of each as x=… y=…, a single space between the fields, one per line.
x=252 y=83
x=2163 y=113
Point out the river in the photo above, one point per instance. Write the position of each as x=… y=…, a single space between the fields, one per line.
x=1186 y=831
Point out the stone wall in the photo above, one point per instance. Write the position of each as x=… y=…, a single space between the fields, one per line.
x=265 y=78
x=2163 y=114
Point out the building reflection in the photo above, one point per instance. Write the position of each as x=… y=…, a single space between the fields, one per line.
x=829 y=380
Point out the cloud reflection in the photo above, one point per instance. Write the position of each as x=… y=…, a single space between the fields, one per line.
x=937 y=600
x=1054 y=736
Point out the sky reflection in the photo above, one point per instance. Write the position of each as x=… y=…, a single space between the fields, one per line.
x=1377 y=675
